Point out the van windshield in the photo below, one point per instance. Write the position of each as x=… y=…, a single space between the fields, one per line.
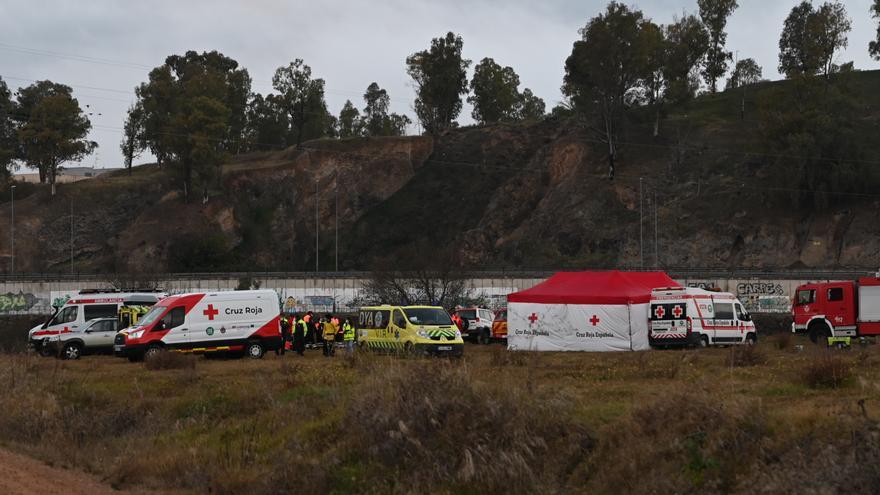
x=428 y=316
x=467 y=314
x=151 y=316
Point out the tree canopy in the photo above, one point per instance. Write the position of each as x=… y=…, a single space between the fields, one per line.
x=746 y=72
x=874 y=46
x=440 y=76
x=52 y=128
x=714 y=14
x=302 y=97
x=194 y=114
x=811 y=38
x=8 y=140
x=606 y=64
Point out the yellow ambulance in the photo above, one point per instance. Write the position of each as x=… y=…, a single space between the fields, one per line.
x=410 y=329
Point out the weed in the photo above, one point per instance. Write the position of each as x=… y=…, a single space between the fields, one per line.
x=168 y=360
x=745 y=355
x=827 y=370
x=783 y=341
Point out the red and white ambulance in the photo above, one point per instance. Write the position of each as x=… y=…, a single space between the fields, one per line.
x=694 y=316
x=205 y=322
x=85 y=306
x=837 y=309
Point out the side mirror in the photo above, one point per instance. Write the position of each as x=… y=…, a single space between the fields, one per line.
x=160 y=325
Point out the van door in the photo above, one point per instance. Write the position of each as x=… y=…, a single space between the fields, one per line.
x=724 y=322
x=743 y=321
x=178 y=334
x=397 y=333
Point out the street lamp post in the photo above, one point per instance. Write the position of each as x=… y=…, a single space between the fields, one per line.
x=12 y=231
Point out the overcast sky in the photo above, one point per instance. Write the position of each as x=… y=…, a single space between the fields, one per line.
x=348 y=43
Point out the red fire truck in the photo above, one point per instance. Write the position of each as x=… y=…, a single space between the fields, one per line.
x=837 y=309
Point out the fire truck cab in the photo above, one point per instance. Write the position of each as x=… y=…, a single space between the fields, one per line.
x=837 y=309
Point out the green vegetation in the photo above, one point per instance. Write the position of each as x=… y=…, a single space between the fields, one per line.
x=440 y=77
x=662 y=421
x=496 y=97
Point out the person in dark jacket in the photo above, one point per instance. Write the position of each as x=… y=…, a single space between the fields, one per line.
x=300 y=332
x=286 y=321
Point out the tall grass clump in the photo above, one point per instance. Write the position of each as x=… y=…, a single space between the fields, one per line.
x=436 y=425
x=827 y=370
x=165 y=360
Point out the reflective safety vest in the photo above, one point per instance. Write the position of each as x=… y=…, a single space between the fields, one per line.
x=347 y=332
x=304 y=325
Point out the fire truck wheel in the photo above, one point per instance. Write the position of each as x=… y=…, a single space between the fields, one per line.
x=704 y=341
x=818 y=331
x=255 y=350
x=71 y=351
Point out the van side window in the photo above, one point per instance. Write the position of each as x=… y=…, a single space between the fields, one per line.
x=399 y=320
x=723 y=311
x=807 y=296
x=740 y=312
x=835 y=294
x=92 y=311
x=67 y=315
x=174 y=318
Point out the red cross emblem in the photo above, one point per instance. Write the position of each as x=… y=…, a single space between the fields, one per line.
x=595 y=320
x=533 y=318
x=659 y=312
x=210 y=312
x=676 y=311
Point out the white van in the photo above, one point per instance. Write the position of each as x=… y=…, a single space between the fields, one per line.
x=85 y=306
x=245 y=321
x=699 y=317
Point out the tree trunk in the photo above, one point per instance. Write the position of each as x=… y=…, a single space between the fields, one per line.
x=657 y=123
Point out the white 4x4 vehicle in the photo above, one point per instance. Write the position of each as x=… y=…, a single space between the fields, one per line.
x=476 y=324
x=96 y=336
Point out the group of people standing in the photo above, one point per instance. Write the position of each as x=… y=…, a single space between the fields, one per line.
x=307 y=331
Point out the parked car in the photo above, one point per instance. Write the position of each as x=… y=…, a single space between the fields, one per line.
x=476 y=324
x=95 y=337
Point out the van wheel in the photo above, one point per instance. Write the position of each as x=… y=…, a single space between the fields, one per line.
x=152 y=351
x=704 y=341
x=751 y=339
x=819 y=331
x=484 y=337
x=255 y=350
x=71 y=351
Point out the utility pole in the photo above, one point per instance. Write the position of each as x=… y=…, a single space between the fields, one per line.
x=316 y=224
x=641 y=229
x=12 y=231
x=656 y=248
x=71 y=236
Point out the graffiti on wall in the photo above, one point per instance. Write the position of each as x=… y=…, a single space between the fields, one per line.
x=760 y=289
x=764 y=297
x=702 y=284
x=17 y=303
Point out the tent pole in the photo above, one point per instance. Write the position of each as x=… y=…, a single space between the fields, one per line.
x=630 y=323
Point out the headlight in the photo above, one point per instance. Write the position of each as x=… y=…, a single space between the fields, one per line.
x=423 y=334
x=136 y=335
x=458 y=334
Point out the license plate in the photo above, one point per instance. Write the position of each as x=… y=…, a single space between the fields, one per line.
x=444 y=348
x=118 y=347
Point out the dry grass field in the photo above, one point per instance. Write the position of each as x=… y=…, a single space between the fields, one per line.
x=775 y=418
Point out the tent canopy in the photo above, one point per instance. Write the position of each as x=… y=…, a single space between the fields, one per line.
x=614 y=287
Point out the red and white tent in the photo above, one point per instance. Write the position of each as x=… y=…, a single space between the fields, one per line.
x=584 y=311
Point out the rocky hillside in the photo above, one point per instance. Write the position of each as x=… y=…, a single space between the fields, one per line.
x=526 y=195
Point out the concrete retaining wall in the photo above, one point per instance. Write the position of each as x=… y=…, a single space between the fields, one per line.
x=341 y=294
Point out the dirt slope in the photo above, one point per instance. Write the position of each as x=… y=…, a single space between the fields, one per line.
x=20 y=475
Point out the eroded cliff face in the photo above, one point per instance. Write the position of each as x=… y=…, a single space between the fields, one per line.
x=512 y=196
